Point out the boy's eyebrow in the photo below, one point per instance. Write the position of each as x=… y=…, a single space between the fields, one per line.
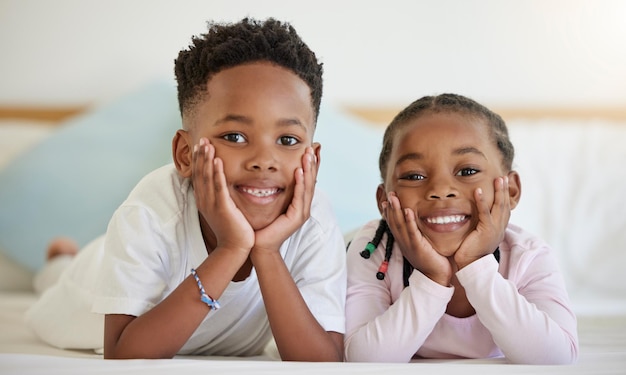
x=248 y=121
x=233 y=118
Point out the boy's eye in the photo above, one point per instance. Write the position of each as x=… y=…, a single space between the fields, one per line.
x=234 y=137
x=467 y=172
x=413 y=177
x=287 y=140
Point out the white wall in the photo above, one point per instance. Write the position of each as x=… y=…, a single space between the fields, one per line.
x=501 y=52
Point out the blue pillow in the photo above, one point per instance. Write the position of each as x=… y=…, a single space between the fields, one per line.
x=71 y=182
x=349 y=166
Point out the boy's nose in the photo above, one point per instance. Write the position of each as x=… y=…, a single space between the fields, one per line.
x=262 y=159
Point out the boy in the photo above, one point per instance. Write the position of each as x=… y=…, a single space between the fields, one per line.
x=230 y=244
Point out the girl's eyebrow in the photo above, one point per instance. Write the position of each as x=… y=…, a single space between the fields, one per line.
x=409 y=156
x=458 y=151
x=468 y=150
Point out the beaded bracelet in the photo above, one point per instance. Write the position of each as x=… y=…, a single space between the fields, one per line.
x=212 y=303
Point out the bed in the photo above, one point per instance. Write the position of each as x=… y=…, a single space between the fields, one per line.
x=571 y=163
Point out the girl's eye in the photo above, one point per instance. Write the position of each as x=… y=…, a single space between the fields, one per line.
x=413 y=177
x=234 y=137
x=467 y=172
x=287 y=140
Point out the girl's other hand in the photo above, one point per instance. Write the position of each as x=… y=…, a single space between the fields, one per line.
x=492 y=222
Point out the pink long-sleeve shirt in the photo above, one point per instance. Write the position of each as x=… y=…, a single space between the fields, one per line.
x=522 y=307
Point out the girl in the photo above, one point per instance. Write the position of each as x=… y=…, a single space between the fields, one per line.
x=443 y=274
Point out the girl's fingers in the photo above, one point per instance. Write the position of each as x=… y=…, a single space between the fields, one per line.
x=395 y=215
x=501 y=208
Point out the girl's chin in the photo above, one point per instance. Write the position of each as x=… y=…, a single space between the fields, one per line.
x=446 y=248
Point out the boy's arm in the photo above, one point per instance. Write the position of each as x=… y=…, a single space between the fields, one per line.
x=162 y=331
x=298 y=335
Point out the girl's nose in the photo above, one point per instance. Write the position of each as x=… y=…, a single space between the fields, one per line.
x=441 y=188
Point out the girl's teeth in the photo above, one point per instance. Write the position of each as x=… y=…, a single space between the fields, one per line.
x=446 y=219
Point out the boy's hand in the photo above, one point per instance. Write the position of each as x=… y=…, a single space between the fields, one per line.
x=227 y=222
x=492 y=222
x=414 y=246
x=271 y=237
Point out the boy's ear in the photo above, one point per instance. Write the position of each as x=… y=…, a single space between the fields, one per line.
x=182 y=152
x=381 y=196
x=515 y=188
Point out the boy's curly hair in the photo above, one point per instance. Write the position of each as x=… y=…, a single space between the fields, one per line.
x=227 y=45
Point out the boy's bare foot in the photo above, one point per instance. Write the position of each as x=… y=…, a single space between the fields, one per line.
x=61 y=246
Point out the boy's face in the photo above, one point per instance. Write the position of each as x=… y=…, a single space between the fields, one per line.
x=260 y=119
x=437 y=162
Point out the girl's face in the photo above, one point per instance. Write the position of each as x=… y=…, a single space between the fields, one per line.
x=437 y=162
x=260 y=119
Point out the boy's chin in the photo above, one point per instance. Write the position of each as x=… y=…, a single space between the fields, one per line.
x=259 y=223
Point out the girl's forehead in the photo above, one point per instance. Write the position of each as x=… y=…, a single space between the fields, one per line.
x=434 y=128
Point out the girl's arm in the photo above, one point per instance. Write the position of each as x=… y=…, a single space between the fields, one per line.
x=386 y=322
x=528 y=315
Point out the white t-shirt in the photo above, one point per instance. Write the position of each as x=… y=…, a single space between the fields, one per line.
x=152 y=242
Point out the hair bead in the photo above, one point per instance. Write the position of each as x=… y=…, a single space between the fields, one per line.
x=382 y=270
x=369 y=249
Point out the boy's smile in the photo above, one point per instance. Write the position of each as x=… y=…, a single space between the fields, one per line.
x=260 y=119
x=437 y=163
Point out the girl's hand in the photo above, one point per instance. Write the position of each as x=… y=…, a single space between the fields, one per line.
x=414 y=246
x=271 y=237
x=492 y=222
x=229 y=225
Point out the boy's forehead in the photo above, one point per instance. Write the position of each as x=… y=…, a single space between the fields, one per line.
x=252 y=90
x=257 y=88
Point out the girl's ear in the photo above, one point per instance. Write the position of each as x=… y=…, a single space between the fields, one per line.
x=381 y=196
x=182 y=152
x=515 y=189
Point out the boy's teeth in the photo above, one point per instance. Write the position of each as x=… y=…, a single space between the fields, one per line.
x=445 y=219
x=260 y=192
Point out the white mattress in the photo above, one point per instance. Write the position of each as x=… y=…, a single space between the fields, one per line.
x=602 y=330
